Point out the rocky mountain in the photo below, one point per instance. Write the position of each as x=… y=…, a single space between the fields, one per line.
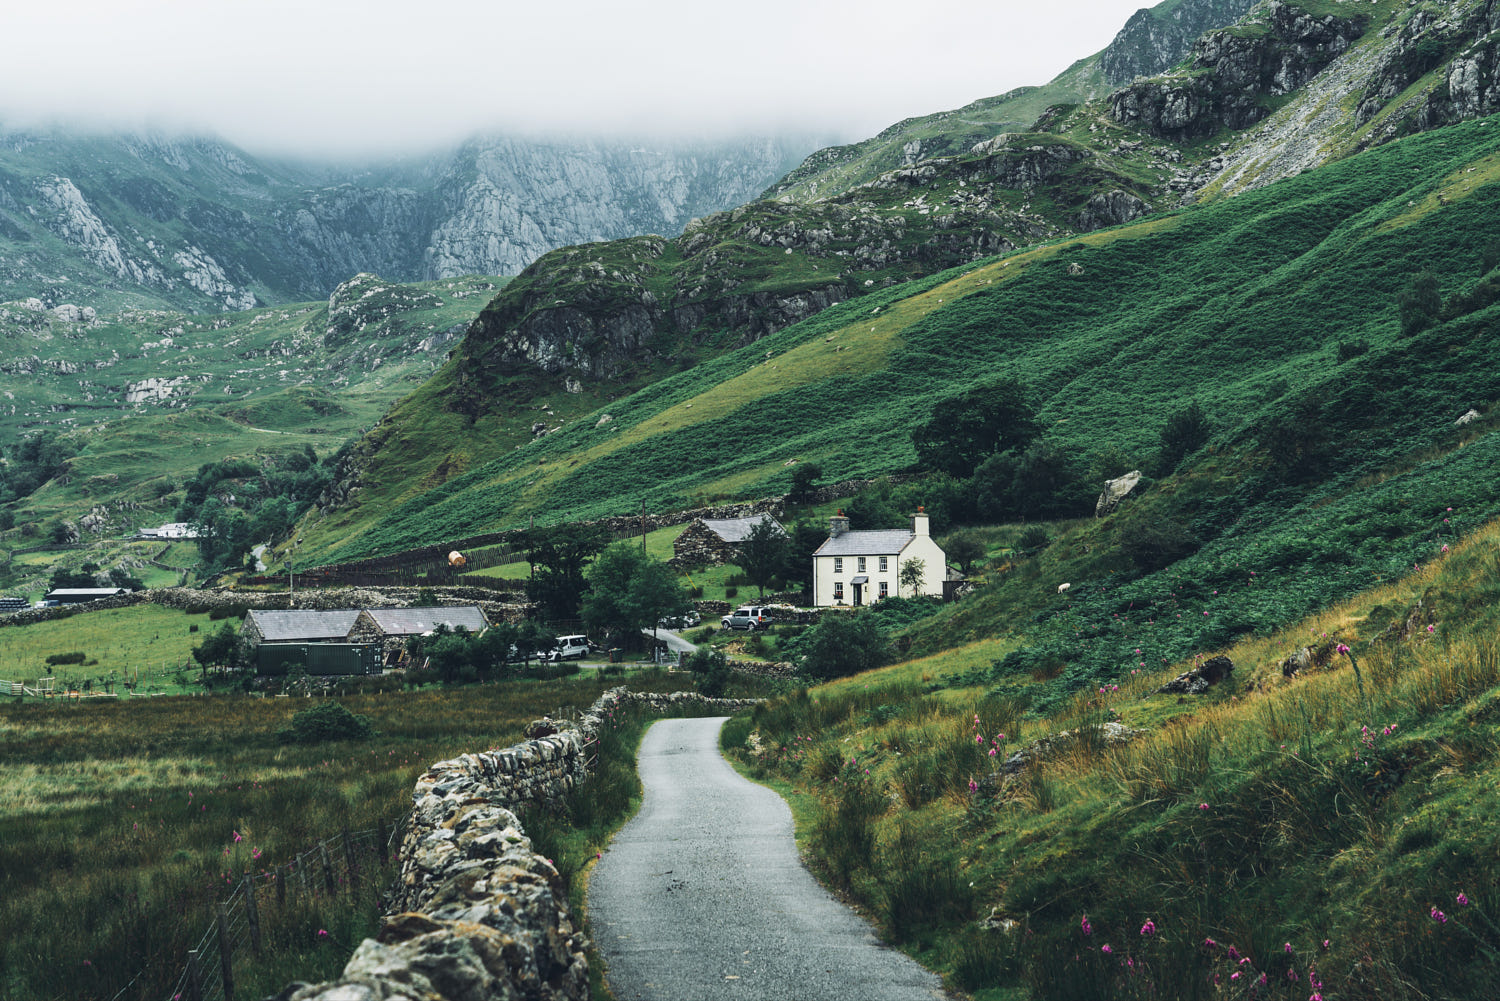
x=1281 y=88
x=157 y=222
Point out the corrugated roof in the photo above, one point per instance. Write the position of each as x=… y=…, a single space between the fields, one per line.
x=416 y=621
x=877 y=542
x=303 y=623
x=738 y=529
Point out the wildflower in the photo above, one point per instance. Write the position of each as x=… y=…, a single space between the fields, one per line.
x=237 y=837
x=980 y=740
x=1088 y=929
x=1106 y=949
x=1430 y=627
x=973 y=786
x=992 y=752
x=1209 y=943
x=1235 y=975
x=1343 y=648
x=1439 y=916
x=1325 y=945
x=1149 y=928
x=1463 y=900
x=1291 y=975
x=322 y=933
x=1203 y=806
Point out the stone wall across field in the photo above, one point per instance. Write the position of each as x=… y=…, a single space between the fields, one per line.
x=476 y=912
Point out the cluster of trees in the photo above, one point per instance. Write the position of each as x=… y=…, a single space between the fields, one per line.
x=992 y=463
x=218 y=500
x=88 y=575
x=31 y=462
x=504 y=650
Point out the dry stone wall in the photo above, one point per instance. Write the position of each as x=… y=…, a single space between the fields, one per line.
x=477 y=913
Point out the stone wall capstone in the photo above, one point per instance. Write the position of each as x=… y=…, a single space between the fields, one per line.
x=476 y=912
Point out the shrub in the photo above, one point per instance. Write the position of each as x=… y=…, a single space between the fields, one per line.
x=75 y=657
x=328 y=721
x=1154 y=543
x=845 y=644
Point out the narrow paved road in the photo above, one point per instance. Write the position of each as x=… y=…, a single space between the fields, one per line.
x=702 y=896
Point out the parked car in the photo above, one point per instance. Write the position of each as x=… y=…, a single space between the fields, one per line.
x=692 y=618
x=568 y=648
x=748 y=617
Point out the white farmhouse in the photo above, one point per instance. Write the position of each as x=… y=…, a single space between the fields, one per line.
x=857 y=568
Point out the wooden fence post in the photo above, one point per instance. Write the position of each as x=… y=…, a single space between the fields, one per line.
x=302 y=874
x=226 y=953
x=195 y=979
x=327 y=868
x=350 y=860
x=252 y=916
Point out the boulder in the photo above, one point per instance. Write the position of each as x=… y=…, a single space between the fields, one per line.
x=1116 y=490
x=1200 y=679
x=1468 y=418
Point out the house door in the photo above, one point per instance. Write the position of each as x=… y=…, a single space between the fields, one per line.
x=859 y=594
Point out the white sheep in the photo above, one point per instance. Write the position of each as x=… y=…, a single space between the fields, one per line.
x=1063 y=587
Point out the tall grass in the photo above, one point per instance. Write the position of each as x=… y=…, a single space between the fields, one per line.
x=119 y=821
x=1274 y=815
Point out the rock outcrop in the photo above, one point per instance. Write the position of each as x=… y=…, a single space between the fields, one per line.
x=1154 y=40
x=1115 y=491
x=1233 y=72
x=1200 y=679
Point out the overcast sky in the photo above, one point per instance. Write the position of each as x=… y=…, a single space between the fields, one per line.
x=339 y=77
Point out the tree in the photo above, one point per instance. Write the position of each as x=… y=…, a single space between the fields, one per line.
x=218 y=648
x=845 y=643
x=712 y=669
x=558 y=557
x=964 y=429
x=965 y=549
x=804 y=480
x=629 y=591
x=1185 y=432
x=764 y=553
x=805 y=539
x=1040 y=482
x=912 y=573
x=1420 y=303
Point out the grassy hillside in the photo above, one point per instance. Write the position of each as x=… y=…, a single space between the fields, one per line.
x=1329 y=831
x=1242 y=305
x=139 y=400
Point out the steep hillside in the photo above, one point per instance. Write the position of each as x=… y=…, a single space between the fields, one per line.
x=1270 y=308
x=152 y=222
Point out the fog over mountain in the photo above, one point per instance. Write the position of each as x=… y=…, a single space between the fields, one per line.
x=276 y=76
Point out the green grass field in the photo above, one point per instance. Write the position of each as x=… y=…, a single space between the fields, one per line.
x=121 y=823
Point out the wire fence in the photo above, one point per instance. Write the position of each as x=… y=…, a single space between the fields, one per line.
x=235 y=936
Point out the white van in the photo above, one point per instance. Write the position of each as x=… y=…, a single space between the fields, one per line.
x=568 y=648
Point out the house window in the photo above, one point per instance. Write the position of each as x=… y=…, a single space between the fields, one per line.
x=838 y=564
x=883 y=564
x=884 y=587
x=838 y=590
x=861 y=564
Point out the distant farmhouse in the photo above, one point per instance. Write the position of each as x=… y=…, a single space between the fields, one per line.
x=345 y=641
x=857 y=568
x=173 y=530
x=708 y=542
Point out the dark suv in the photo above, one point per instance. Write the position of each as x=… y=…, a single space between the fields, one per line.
x=749 y=617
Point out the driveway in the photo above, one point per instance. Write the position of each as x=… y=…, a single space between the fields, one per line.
x=702 y=895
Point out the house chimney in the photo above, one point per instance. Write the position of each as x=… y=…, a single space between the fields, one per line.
x=838 y=524
x=919 y=522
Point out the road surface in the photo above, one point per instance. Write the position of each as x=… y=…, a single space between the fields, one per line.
x=702 y=895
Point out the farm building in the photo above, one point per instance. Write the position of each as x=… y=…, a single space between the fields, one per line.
x=710 y=542
x=361 y=639
x=79 y=595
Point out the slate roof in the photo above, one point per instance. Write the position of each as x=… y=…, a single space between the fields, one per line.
x=737 y=529
x=878 y=542
x=303 y=623
x=416 y=621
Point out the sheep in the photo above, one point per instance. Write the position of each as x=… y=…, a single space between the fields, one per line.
x=1063 y=587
